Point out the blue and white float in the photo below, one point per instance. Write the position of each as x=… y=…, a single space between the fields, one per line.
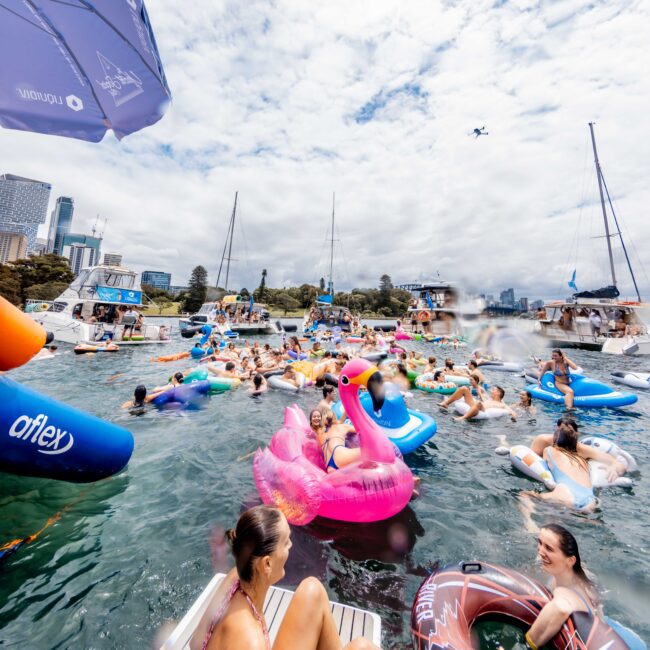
x=42 y=437
x=588 y=393
x=632 y=379
x=534 y=466
x=183 y=395
x=406 y=428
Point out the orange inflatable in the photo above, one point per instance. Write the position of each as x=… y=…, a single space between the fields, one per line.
x=173 y=357
x=20 y=337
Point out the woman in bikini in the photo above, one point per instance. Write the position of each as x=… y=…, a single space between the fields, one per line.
x=332 y=441
x=234 y=620
x=561 y=367
x=573 y=591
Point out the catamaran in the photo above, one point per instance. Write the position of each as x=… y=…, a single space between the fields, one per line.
x=93 y=308
x=599 y=320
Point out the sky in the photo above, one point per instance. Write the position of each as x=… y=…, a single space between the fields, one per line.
x=288 y=102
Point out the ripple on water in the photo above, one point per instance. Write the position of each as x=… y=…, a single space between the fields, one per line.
x=133 y=551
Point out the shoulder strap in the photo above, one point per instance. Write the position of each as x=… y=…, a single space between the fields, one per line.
x=583 y=599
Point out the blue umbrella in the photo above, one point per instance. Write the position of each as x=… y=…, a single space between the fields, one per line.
x=78 y=68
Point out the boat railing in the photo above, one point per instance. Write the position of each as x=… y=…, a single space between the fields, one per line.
x=128 y=332
x=34 y=306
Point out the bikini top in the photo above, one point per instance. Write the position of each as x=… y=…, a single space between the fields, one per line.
x=236 y=586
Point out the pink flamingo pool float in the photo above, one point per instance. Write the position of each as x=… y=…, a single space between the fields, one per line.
x=290 y=473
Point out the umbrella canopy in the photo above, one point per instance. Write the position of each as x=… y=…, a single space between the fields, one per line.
x=77 y=68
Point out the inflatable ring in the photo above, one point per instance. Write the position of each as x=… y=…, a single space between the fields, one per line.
x=424 y=316
x=475 y=590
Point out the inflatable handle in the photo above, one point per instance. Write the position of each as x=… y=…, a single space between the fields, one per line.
x=471 y=567
x=20 y=336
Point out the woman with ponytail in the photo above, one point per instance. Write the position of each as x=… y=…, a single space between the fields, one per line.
x=234 y=621
x=573 y=591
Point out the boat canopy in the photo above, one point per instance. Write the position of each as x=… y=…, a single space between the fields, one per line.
x=606 y=292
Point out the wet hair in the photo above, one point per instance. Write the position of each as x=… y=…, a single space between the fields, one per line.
x=557 y=351
x=472 y=363
x=402 y=355
x=139 y=394
x=327 y=390
x=476 y=378
x=401 y=369
x=567 y=441
x=431 y=360
x=569 y=548
x=437 y=374
x=256 y=535
x=230 y=365
x=179 y=377
x=257 y=380
x=529 y=397
x=502 y=392
x=449 y=364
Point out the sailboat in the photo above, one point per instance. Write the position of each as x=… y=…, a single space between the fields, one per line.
x=598 y=320
x=234 y=314
x=324 y=313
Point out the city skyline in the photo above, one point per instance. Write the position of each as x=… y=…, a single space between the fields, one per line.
x=287 y=106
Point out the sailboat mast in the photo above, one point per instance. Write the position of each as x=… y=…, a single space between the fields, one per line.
x=331 y=287
x=232 y=232
x=602 y=203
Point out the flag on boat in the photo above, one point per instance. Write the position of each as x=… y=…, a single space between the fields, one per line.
x=572 y=283
x=429 y=301
x=326 y=298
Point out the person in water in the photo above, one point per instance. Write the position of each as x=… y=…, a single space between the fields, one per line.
x=567 y=459
x=260 y=544
x=573 y=591
x=259 y=385
x=140 y=396
x=333 y=442
x=525 y=404
x=561 y=366
x=483 y=400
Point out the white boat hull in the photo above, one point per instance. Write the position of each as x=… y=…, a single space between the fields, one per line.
x=628 y=345
x=70 y=330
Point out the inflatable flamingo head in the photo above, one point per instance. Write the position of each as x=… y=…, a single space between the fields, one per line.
x=360 y=372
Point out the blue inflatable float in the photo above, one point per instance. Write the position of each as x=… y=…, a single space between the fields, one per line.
x=183 y=395
x=589 y=393
x=406 y=428
x=206 y=330
x=42 y=437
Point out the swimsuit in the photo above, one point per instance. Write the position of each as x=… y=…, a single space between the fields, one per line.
x=236 y=586
x=582 y=496
x=330 y=462
x=562 y=373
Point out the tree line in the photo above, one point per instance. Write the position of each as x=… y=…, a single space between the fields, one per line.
x=45 y=277
x=385 y=300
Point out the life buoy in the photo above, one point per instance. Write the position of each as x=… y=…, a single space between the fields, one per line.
x=477 y=589
x=424 y=316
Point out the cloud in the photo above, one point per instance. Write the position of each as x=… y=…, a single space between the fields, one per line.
x=286 y=103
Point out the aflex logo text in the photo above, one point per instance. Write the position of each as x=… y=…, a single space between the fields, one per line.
x=50 y=437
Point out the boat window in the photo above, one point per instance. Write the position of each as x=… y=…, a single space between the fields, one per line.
x=58 y=306
x=206 y=308
x=80 y=280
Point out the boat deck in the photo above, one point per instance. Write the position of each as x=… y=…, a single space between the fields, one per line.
x=351 y=622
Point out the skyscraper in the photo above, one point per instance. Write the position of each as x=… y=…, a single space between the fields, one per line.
x=12 y=247
x=23 y=206
x=60 y=223
x=80 y=257
x=93 y=243
x=112 y=259
x=157 y=279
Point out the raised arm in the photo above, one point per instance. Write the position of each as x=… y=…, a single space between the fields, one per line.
x=550 y=621
x=541 y=442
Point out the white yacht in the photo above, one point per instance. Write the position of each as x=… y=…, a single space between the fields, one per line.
x=232 y=314
x=92 y=309
x=616 y=326
x=623 y=325
x=440 y=308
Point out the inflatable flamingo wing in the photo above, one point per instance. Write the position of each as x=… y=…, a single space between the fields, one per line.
x=291 y=486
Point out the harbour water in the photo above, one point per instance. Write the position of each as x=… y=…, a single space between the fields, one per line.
x=131 y=553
